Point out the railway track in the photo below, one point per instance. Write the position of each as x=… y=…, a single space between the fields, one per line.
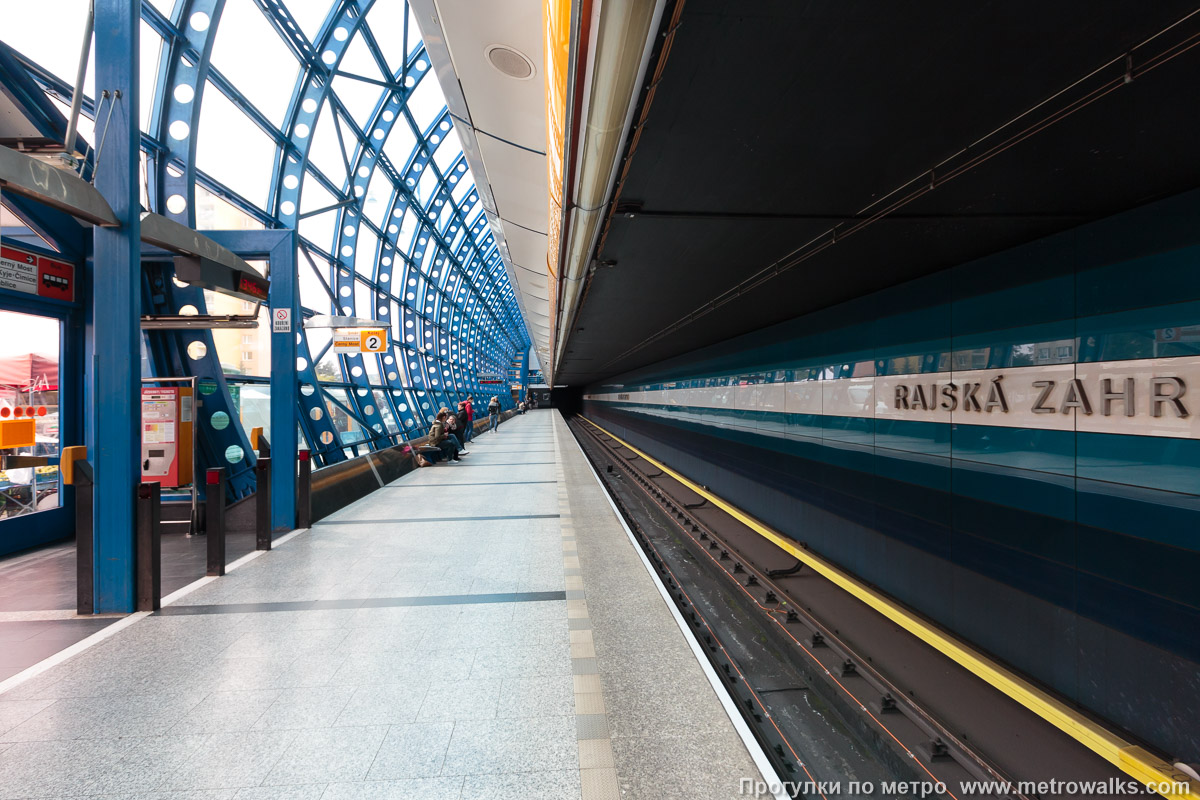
x=747 y=601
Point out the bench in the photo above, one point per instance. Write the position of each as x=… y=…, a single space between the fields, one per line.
x=432 y=454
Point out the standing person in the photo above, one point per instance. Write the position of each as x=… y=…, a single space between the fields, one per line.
x=470 y=430
x=462 y=426
x=442 y=440
x=494 y=412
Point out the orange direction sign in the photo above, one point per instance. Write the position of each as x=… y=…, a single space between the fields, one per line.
x=373 y=341
x=360 y=341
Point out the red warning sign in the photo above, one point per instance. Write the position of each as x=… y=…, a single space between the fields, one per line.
x=22 y=271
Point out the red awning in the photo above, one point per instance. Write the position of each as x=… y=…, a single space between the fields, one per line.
x=29 y=372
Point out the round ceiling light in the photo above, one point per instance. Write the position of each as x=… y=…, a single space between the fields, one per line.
x=510 y=62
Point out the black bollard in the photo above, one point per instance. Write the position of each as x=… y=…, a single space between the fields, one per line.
x=149 y=547
x=304 y=490
x=215 y=524
x=78 y=473
x=262 y=504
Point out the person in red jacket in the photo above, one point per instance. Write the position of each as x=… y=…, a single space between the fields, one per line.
x=470 y=428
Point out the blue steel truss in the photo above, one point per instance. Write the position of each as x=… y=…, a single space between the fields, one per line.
x=431 y=271
x=423 y=262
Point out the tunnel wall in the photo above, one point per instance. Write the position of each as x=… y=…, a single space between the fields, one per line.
x=1056 y=527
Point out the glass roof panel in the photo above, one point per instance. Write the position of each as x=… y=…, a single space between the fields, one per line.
x=315 y=197
x=426 y=187
x=50 y=32
x=358 y=68
x=426 y=102
x=386 y=21
x=214 y=213
x=359 y=59
x=263 y=55
x=319 y=228
x=379 y=191
x=400 y=145
x=313 y=293
x=448 y=151
x=151 y=47
x=365 y=255
x=328 y=151
x=460 y=190
x=309 y=15
x=232 y=149
x=252 y=56
x=414 y=32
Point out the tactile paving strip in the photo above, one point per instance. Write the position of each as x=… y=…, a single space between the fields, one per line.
x=597 y=769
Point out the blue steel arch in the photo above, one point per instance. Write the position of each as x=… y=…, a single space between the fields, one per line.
x=432 y=243
x=170 y=356
x=184 y=71
x=462 y=316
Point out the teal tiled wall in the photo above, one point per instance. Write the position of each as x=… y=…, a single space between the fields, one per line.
x=1058 y=551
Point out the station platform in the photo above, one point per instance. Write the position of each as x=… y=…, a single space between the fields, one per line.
x=483 y=629
x=38 y=616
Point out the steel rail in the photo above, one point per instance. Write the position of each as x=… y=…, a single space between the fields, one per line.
x=786 y=612
x=1149 y=769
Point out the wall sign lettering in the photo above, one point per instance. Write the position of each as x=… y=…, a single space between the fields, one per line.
x=1145 y=397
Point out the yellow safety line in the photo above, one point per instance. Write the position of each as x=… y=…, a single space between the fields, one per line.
x=1136 y=761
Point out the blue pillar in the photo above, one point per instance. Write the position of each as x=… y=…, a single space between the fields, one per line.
x=115 y=424
x=285 y=389
x=279 y=248
x=524 y=374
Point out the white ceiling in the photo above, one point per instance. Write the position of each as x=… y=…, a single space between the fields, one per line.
x=502 y=124
x=513 y=173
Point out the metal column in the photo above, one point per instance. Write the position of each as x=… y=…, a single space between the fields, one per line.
x=115 y=383
x=279 y=248
x=525 y=373
x=285 y=385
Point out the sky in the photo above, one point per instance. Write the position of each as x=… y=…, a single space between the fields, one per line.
x=21 y=334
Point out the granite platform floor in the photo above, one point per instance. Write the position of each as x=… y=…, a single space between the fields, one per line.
x=38 y=602
x=474 y=630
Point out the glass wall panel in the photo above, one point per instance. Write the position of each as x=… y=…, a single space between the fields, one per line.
x=252 y=401
x=249 y=130
x=337 y=403
x=29 y=390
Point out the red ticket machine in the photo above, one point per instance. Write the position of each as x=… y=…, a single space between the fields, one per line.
x=167 y=435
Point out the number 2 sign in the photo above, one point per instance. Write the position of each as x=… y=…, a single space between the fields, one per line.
x=373 y=341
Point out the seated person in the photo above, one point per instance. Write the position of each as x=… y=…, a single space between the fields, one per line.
x=442 y=440
x=455 y=430
x=463 y=419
